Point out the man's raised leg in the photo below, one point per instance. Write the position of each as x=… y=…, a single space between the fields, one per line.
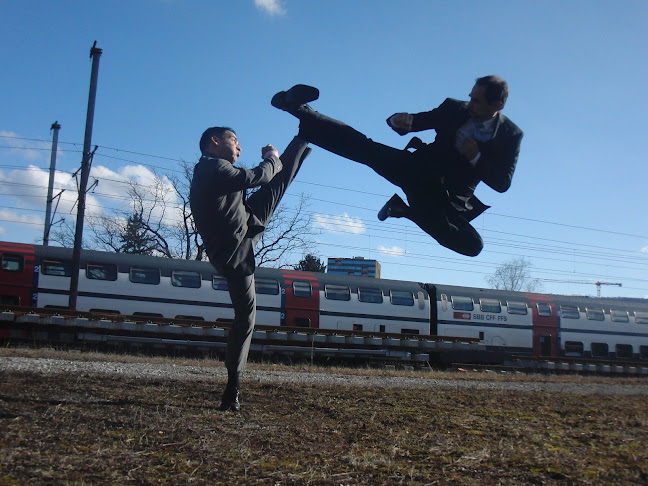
x=264 y=201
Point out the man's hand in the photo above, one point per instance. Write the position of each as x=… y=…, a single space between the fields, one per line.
x=469 y=148
x=402 y=121
x=269 y=150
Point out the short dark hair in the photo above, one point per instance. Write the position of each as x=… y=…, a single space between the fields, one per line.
x=496 y=88
x=205 y=140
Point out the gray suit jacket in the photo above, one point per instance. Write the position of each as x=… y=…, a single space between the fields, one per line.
x=225 y=223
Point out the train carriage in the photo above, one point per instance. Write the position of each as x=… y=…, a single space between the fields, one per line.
x=506 y=323
x=602 y=328
x=502 y=320
x=376 y=305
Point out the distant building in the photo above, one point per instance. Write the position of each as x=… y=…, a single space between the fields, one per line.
x=354 y=266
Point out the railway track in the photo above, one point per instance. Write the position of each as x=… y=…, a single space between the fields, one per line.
x=66 y=328
x=141 y=333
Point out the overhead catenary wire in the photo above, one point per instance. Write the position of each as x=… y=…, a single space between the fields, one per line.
x=544 y=248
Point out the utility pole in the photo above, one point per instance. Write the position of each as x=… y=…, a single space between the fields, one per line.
x=95 y=54
x=48 y=209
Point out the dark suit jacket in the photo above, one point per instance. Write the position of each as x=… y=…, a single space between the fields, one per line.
x=217 y=199
x=495 y=167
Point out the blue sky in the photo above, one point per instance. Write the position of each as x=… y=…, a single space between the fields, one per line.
x=170 y=68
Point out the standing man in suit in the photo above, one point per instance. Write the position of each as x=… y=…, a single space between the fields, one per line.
x=474 y=142
x=230 y=224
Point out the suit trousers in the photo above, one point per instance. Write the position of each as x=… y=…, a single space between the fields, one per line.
x=262 y=204
x=418 y=174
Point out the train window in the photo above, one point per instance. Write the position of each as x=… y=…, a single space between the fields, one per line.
x=371 y=295
x=600 y=350
x=337 y=292
x=147 y=314
x=409 y=331
x=421 y=299
x=641 y=317
x=13 y=263
x=219 y=283
x=624 y=351
x=594 y=314
x=105 y=311
x=101 y=271
x=357 y=327
x=142 y=275
x=9 y=300
x=190 y=318
x=191 y=280
x=544 y=309
x=619 y=316
x=516 y=307
x=573 y=348
x=401 y=297
x=462 y=303
x=490 y=305
x=302 y=322
x=56 y=269
x=569 y=312
x=643 y=352
x=265 y=286
x=302 y=289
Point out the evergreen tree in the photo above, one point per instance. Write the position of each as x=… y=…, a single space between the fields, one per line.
x=310 y=263
x=135 y=238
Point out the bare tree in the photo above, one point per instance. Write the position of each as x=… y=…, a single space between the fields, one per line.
x=63 y=234
x=515 y=275
x=159 y=222
x=185 y=231
x=288 y=231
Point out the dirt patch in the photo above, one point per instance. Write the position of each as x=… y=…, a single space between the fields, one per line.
x=89 y=429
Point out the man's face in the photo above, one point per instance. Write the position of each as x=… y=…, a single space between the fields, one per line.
x=479 y=107
x=226 y=147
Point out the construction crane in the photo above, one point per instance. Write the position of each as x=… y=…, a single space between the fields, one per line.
x=598 y=283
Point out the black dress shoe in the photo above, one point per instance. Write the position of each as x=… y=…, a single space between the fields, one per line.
x=291 y=100
x=230 y=400
x=395 y=208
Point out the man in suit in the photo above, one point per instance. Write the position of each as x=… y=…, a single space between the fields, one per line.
x=230 y=224
x=474 y=142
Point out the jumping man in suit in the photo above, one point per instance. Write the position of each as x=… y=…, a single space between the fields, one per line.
x=474 y=142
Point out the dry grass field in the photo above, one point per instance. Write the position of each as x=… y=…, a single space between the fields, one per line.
x=109 y=429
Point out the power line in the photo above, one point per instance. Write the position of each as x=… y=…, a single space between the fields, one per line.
x=397 y=229
x=579 y=250
x=325 y=186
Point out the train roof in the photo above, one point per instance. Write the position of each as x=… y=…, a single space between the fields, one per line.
x=166 y=265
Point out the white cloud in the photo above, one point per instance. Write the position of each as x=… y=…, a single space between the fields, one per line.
x=272 y=7
x=26 y=150
x=342 y=223
x=644 y=249
x=30 y=187
x=12 y=216
x=395 y=251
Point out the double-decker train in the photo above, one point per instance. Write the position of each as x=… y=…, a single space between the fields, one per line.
x=505 y=322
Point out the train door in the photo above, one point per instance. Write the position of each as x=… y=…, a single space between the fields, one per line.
x=545 y=344
x=16 y=273
x=300 y=299
x=432 y=295
x=545 y=325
